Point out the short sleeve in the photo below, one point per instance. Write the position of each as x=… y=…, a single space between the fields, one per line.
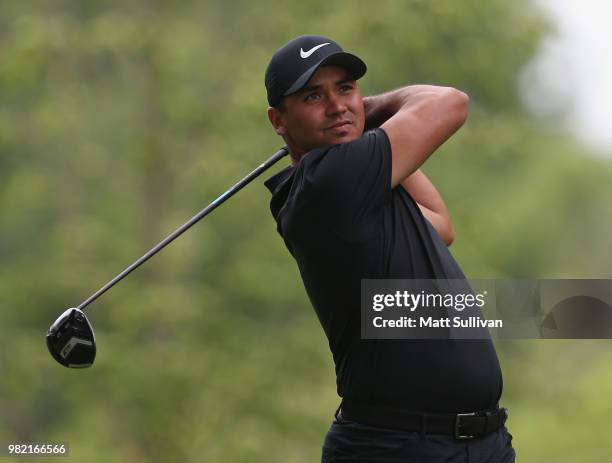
x=352 y=182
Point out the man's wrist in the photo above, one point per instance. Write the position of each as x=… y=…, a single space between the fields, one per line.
x=377 y=110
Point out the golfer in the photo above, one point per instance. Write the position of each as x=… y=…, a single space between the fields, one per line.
x=353 y=204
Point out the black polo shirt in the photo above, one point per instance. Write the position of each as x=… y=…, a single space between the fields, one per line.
x=342 y=222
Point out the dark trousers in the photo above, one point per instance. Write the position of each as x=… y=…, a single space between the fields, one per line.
x=349 y=441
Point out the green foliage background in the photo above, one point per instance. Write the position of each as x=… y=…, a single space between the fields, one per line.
x=120 y=120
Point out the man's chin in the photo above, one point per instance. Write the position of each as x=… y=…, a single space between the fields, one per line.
x=334 y=139
x=343 y=136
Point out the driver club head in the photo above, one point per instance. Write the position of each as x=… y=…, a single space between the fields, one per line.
x=71 y=340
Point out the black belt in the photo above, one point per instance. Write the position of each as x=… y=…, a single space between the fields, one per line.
x=460 y=425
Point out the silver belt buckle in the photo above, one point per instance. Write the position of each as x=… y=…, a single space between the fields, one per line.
x=457 y=425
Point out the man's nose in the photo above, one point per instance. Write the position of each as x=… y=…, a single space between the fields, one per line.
x=335 y=104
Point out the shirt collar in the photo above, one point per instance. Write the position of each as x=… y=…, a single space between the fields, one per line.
x=275 y=182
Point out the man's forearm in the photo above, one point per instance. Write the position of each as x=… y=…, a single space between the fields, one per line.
x=431 y=204
x=379 y=108
x=424 y=192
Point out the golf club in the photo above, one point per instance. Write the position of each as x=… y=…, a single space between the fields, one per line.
x=70 y=338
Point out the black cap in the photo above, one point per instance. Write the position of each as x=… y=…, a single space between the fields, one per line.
x=292 y=66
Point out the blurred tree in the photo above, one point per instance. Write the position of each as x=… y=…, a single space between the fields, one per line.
x=119 y=120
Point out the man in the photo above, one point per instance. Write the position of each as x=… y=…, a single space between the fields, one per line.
x=355 y=205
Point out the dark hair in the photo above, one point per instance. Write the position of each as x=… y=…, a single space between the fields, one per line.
x=281 y=106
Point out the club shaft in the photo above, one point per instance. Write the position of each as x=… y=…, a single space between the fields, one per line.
x=187 y=225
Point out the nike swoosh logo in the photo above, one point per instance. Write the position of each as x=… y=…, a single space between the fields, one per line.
x=306 y=54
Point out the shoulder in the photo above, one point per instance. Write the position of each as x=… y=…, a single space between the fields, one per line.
x=372 y=147
x=369 y=141
x=346 y=184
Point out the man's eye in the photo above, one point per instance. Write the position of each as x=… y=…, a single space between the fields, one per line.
x=311 y=97
x=346 y=88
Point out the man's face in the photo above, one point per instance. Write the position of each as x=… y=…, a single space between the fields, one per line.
x=328 y=111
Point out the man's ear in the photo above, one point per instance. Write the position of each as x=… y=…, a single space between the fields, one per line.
x=276 y=119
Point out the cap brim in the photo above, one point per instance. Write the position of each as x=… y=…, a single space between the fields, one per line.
x=348 y=61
